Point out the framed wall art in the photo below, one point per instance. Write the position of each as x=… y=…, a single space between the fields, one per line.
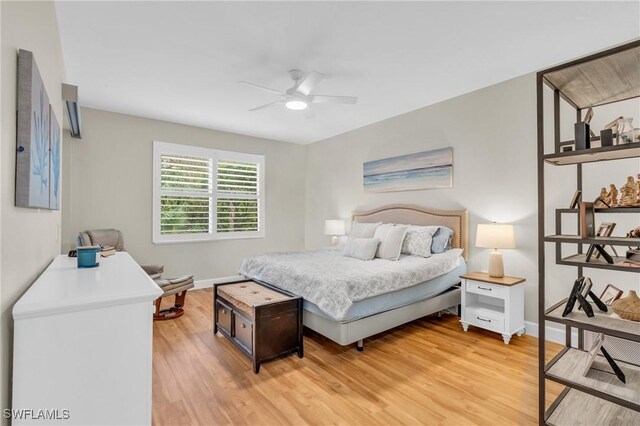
x=423 y=170
x=34 y=131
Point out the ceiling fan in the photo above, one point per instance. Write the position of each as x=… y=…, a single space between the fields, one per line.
x=298 y=96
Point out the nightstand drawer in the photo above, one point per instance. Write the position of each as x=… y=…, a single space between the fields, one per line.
x=485 y=321
x=486 y=289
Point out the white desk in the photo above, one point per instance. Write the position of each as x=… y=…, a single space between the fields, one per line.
x=83 y=343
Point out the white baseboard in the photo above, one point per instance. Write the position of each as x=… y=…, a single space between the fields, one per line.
x=552 y=334
x=202 y=284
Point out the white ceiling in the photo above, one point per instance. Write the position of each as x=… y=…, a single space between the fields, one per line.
x=180 y=61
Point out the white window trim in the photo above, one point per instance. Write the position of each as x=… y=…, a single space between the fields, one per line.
x=215 y=155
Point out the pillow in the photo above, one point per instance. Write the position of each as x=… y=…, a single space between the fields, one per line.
x=441 y=240
x=391 y=238
x=418 y=240
x=363 y=230
x=361 y=248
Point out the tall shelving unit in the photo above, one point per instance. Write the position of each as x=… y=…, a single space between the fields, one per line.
x=604 y=78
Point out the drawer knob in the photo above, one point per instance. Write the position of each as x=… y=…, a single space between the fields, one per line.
x=224 y=311
x=482 y=319
x=243 y=325
x=484 y=288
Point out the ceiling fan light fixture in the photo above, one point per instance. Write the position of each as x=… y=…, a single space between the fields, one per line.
x=296 y=104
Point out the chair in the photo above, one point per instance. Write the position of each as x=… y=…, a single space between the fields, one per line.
x=177 y=286
x=170 y=286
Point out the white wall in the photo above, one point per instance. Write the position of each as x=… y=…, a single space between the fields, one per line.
x=108 y=184
x=29 y=238
x=493 y=135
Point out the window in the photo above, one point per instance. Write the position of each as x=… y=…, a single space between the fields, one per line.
x=206 y=194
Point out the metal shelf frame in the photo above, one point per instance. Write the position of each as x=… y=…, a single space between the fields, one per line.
x=575 y=159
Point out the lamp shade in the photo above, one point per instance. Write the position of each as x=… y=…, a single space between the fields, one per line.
x=495 y=235
x=334 y=227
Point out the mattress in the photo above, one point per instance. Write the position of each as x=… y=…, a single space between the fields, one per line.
x=396 y=299
x=334 y=282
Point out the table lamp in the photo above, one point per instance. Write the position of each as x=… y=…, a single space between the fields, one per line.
x=334 y=227
x=495 y=236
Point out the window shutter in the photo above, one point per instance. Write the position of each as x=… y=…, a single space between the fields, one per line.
x=238 y=196
x=185 y=195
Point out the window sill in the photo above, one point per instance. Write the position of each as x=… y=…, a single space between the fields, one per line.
x=208 y=240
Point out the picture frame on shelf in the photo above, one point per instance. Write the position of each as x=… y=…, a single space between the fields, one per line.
x=607 y=230
x=610 y=294
x=577 y=196
x=586 y=287
x=598 y=341
x=604 y=230
x=587 y=219
x=576 y=296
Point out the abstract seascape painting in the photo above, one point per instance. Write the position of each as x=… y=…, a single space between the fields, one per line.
x=423 y=170
x=33 y=132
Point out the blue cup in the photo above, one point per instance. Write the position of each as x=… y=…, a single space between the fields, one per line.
x=88 y=257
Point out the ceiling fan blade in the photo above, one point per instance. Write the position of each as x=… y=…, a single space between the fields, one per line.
x=309 y=82
x=265 y=106
x=322 y=99
x=277 y=92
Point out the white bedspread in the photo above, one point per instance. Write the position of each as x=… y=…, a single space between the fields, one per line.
x=334 y=282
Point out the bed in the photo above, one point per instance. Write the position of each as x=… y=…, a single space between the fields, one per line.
x=348 y=300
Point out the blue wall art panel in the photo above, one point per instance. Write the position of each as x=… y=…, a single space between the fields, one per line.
x=423 y=170
x=33 y=132
x=54 y=162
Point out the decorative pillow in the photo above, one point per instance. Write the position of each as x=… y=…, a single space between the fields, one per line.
x=441 y=240
x=391 y=238
x=363 y=230
x=418 y=240
x=361 y=248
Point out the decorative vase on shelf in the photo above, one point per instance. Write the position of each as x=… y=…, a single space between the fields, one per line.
x=628 y=307
x=625 y=130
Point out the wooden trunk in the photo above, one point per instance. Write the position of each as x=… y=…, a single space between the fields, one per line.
x=263 y=330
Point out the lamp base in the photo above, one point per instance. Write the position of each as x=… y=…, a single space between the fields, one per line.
x=496 y=266
x=334 y=240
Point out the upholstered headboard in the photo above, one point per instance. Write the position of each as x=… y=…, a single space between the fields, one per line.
x=411 y=214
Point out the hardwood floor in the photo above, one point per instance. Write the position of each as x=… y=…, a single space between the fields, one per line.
x=425 y=372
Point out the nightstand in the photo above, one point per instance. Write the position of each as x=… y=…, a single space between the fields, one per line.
x=495 y=304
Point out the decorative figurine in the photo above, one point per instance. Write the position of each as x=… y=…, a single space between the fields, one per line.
x=628 y=192
x=612 y=196
x=634 y=233
x=602 y=200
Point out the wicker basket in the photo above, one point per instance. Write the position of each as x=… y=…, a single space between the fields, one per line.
x=628 y=307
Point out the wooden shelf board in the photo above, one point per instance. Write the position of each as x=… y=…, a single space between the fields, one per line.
x=600 y=81
x=579 y=408
x=486 y=309
x=616 y=152
x=577 y=239
x=601 y=322
x=580 y=260
x=568 y=368
x=605 y=210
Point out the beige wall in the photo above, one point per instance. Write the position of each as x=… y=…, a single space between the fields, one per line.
x=107 y=179
x=30 y=237
x=493 y=135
